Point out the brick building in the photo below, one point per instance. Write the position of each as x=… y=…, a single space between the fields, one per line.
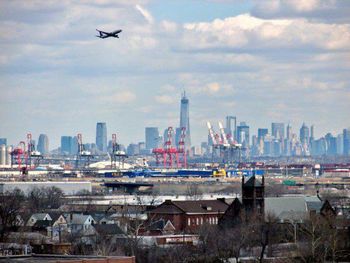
x=189 y=216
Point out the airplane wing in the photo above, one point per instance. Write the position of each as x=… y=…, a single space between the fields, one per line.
x=116 y=32
x=102 y=32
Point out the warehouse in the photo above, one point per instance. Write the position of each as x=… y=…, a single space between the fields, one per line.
x=68 y=188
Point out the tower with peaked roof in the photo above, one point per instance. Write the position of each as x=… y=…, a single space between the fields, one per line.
x=253 y=191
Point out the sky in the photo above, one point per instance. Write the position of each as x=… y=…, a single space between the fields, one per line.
x=262 y=61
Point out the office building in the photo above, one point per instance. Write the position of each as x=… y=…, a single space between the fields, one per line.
x=43 y=144
x=243 y=134
x=231 y=126
x=262 y=132
x=289 y=132
x=74 y=145
x=3 y=141
x=185 y=119
x=151 y=138
x=277 y=130
x=346 y=141
x=340 y=144
x=101 y=136
x=66 y=144
x=304 y=134
x=133 y=149
x=331 y=144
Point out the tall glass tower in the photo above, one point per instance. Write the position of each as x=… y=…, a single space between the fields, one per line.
x=43 y=144
x=101 y=136
x=185 y=119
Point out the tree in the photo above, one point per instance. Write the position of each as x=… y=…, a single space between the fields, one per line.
x=43 y=198
x=10 y=206
x=193 y=192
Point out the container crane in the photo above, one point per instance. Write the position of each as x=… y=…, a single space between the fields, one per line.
x=82 y=155
x=32 y=153
x=117 y=153
x=169 y=151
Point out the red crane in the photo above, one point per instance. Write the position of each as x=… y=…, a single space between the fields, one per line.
x=169 y=155
x=182 y=155
x=169 y=151
x=20 y=153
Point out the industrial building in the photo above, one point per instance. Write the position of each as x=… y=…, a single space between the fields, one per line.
x=68 y=188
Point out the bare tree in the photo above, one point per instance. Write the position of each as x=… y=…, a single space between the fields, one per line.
x=43 y=198
x=193 y=192
x=10 y=206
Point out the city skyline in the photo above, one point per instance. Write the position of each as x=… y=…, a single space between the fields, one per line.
x=262 y=61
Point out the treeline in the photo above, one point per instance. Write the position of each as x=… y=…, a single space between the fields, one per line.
x=15 y=206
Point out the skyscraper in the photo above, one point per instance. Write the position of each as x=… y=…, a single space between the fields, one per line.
x=304 y=134
x=289 y=132
x=262 y=132
x=66 y=144
x=243 y=134
x=151 y=138
x=346 y=141
x=101 y=136
x=185 y=119
x=277 y=130
x=43 y=144
x=231 y=126
x=3 y=141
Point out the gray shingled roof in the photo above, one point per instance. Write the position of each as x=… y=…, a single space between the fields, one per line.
x=293 y=208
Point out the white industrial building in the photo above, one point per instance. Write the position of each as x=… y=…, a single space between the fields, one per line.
x=68 y=188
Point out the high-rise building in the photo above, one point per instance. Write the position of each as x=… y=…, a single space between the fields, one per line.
x=289 y=132
x=185 y=119
x=151 y=138
x=277 y=130
x=331 y=144
x=340 y=144
x=66 y=144
x=101 y=136
x=231 y=126
x=304 y=134
x=133 y=149
x=43 y=144
x=243 y=134
x=74 y=145
x=262 y=132
x=346 y=141
x=3 y=141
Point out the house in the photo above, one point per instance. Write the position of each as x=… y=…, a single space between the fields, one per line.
x=188 y=216
x=38 y=217
x=79 y=222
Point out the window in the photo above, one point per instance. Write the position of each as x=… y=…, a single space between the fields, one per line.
x=201 y=220
x=189 y=221
x=197 y=221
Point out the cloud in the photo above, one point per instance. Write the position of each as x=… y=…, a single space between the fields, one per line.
x=329 y=11
x=164 y=99
x=246 y=65
x=122 y=97
x=248 y=33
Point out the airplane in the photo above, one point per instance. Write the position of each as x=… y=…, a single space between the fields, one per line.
x=106 y=34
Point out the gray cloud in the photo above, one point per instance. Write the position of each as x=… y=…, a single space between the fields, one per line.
x=327 y=11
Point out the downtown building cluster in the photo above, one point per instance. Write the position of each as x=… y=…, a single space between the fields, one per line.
x=282 y=140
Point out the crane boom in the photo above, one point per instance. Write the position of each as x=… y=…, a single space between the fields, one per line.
x=223 y=135
x=211 y=133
